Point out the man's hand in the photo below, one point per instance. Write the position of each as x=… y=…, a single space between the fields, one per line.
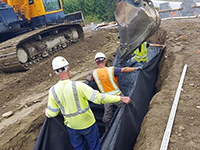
x=89 y=78
x=138 y=68
x=44 y=111
x=125 y=99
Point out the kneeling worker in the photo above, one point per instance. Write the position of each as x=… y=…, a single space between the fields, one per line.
x=140 y=54
x=71 y=99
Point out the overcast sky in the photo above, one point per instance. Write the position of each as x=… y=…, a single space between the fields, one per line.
x=172 y=4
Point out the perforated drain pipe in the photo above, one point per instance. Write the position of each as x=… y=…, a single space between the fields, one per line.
x=168 y=129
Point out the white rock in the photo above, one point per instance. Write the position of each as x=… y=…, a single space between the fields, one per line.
x=181 y=129
x=7 y=114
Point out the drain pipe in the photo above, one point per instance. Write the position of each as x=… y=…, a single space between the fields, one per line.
x=179 y=18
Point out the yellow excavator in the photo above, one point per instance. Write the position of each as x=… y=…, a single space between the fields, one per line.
x=31 y=30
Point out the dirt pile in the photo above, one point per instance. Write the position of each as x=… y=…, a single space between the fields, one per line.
x=25 y=93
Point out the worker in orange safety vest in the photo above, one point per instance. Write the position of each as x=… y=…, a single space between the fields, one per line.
x=106 y=79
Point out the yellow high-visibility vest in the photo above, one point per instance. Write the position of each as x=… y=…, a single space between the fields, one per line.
x=106 y=80
x=141 y=55
x=71 y=99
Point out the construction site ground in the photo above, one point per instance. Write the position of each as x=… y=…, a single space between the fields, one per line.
x=24 y=94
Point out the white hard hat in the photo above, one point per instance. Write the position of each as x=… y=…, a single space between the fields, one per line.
x=99 y=55
x=59 y=62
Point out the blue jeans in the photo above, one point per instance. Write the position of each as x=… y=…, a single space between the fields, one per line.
x=78 y=138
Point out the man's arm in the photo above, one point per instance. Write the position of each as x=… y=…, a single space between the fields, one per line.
x=99 y=98
x=156 y=45
x=128 y=69
x=52 y=109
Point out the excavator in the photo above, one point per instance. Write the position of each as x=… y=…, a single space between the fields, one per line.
x=31 y=30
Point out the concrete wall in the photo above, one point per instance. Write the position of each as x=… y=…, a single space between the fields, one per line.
x=188 y=8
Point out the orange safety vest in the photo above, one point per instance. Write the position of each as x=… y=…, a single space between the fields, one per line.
x=106 y=80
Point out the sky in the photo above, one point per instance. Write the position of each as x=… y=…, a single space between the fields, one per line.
x=172 y=4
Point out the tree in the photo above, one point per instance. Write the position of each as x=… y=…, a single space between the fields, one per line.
x=101 y=10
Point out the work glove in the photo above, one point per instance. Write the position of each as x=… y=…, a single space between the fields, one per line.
x=138 y=68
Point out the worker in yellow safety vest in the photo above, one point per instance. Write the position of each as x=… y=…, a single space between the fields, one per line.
x=140 y=54
x=71 y=99
x=106 y=79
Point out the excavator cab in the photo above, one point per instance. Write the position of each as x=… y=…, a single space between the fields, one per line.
x=137 y=20
x=20 y=16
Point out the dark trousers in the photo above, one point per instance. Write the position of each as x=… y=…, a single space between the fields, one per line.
x=78 y=138
x=108 y=111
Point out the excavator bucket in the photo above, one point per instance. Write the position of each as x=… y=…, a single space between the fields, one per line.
x=137 y=20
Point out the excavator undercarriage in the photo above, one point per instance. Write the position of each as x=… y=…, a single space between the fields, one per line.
x=33 y=30
x=21 y=52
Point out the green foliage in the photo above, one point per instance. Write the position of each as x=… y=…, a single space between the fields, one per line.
x=89 y=19
x=157 y=8
x=71 y=6
x=93 y=10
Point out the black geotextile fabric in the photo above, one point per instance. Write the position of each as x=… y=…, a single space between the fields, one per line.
x=140 y=87
x=53 y=135
x=126 y=123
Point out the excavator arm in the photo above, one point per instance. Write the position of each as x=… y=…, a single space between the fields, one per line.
x=137 y=20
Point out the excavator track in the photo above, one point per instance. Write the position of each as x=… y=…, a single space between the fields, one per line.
x=22 y=52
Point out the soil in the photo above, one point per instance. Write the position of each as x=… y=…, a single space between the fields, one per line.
x=25 y=93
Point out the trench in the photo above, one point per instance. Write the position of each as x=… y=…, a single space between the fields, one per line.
x=140 y=86
x=117 y=137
